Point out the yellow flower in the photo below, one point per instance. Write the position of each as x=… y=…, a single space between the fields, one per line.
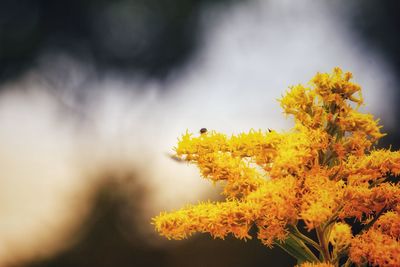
x=389 y=223
x=336 y=87
x=322 y=172
x=361 y=200
x=354 y=121
x=321 y=199
x=340 y=236
x=375 y=248
x=378 y=164
x=319 y=264
x=218 y=219
x=270 y=208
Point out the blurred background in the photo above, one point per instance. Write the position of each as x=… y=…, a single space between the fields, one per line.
x=94 y=94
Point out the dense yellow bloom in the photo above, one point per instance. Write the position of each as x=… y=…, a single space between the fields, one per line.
x=377 y=164
x=322 y=172
x=319 y=264
x=336 y=87
x=340 y=236
x=218 y=219
x=275 y=208
x=270 y=207
x=362 y=200
x=389 y=223
x=376 y=248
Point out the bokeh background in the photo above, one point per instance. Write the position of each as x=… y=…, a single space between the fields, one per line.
x=93 y=95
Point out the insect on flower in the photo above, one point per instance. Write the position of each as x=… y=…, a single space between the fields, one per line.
x=203 y=130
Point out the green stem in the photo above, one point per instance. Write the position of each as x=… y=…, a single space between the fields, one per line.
x=333 y=217
x=291 y=252
x=347 y=263
x=305 y=238
x=296 y=248
x=323 y=243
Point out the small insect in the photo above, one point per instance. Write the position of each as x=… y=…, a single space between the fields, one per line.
x=175 y=157
x=203 y=130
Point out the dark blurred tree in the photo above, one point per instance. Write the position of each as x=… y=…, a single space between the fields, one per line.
x=149 y=37
x=108 y=237
x=378 y=24
x=111 y=236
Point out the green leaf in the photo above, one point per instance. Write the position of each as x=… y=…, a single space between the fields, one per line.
x=297 y=249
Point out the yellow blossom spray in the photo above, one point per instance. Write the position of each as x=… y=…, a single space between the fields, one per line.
x=324 y=173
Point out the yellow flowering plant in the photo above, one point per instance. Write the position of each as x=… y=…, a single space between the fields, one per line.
x=324 y=174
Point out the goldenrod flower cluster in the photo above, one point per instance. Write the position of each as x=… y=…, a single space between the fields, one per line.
x=325 y=172
x=320 y=264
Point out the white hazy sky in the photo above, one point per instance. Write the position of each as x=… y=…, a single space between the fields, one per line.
x=250 y=53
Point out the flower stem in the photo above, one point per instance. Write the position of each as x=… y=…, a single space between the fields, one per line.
x=347 y=263
x=296 y=248
x=304 y=238
x=323 y=243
